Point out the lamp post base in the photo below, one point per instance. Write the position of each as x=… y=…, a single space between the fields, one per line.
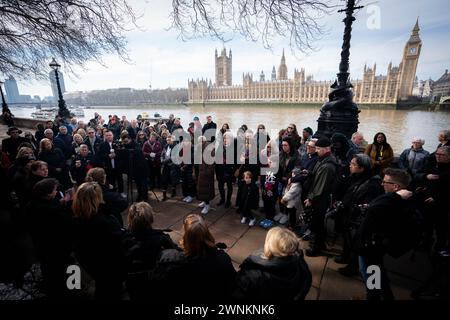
x=339 y=114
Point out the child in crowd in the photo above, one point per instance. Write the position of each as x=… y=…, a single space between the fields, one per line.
x=292 y=200
x=249 y=199
x=270 y=193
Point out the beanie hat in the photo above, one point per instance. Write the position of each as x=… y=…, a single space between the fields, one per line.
x=309 y=130
x=323 y=142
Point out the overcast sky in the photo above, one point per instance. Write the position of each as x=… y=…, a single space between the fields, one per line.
x=161 y=59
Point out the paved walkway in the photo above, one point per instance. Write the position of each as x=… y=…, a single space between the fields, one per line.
x=406 y=274
x=241 y=240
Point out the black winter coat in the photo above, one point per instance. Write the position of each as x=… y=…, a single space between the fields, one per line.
x=195 y=278
x=278 y=279
x=143 y=253
x=55 y=159
x=386 y=227
x=114 y=204
x=99 y=247
x=249 y=197
x=51 y=228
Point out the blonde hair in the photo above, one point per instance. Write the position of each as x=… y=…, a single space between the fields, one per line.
x=77 y=135
x=87 y=200
x=248 y=173
x=24 y=151
x=81 y=132
x=280 y=242
x=96 y=175
x=197 y=238
x=140 y=216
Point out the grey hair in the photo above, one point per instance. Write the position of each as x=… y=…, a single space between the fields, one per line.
x=417 y=139
x=363 y=161
x=357 y=133
x=446 y=150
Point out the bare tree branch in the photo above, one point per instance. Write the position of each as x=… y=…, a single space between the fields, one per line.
x=256 y=20
x=72 y=31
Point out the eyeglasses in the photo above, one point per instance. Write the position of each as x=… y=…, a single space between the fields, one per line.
x=387 y=182
x=440 y=154
x=291 y=128
x=92 y=132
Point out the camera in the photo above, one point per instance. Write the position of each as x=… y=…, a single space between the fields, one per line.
x=334 y=212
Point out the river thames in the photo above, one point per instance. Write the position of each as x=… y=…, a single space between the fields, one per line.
x=399 y=125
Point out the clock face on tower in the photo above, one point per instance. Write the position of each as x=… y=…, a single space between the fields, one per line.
x=412 y=50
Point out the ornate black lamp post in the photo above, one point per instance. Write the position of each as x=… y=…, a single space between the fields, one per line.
x=63 y=112
x=6 y=113
x=340 y=113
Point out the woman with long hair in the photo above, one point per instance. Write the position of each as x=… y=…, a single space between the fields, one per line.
x=380 y=152
x=98 y=241
x=202 y=272
x=114 y=203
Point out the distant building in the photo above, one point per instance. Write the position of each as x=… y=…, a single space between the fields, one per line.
x=12 y=91
x=422 y=89
x=396 y=85
x=441 y=87
x=54 y=85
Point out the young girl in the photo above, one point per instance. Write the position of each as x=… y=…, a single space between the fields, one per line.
x=249 y=199
x=292 y=199
x=269 y=186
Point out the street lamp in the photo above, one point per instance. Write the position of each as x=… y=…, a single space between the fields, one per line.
x=6 y=113
x=340 y=113
x=63 y=112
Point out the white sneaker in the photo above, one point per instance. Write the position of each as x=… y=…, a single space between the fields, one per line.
x=252 y=222
x=202 y=204
x=123 y=195
x=184 y=199
x=284 y=219
x=278 y=217
x=244 y=220
x=205 y=209
x=189 y=199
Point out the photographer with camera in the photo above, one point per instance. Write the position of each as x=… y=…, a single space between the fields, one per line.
x=134 y=165
x=362 y=188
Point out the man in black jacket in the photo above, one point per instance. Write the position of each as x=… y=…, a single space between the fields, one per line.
x=111 y=164
x=319 y=195
x=10 y=145
x=436 y=181
x=92 y=141
x=134 y=165
x=385 y=229
x=209 y=125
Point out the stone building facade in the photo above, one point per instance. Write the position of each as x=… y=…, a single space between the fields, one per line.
x=396 y=85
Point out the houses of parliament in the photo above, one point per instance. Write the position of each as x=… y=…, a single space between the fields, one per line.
x=396 y=85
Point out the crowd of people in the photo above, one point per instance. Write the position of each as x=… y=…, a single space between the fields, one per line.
x=64 y=192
